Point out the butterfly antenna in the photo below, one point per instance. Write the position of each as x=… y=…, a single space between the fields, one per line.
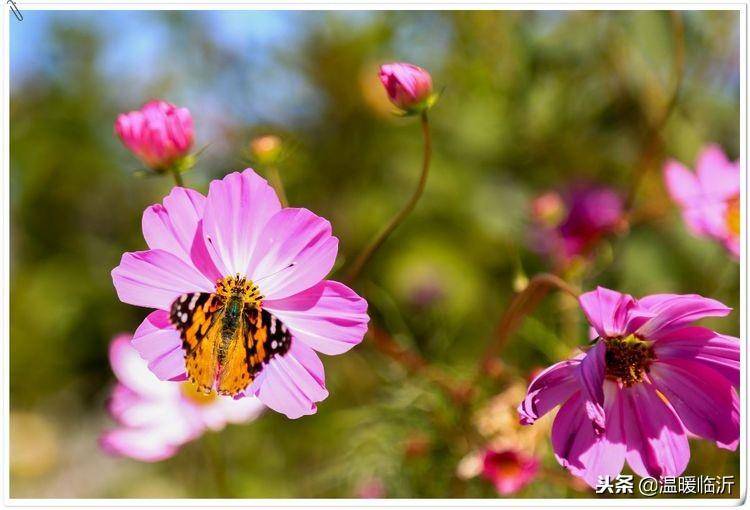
x=276 y=272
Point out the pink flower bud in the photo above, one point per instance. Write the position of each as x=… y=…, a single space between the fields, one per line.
x=159 y=133
x=409 y=87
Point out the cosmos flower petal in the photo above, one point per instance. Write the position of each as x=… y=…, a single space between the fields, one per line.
x=160 y=345
x=131 y=370
x=580 y=448
x=509 y=470
x=228 y=410
x=237 y=209
x=292 y=384
x=719 y=178
x=295 y=251
x=607 y=310
x=155 y=278
x=549 y=389
x=719 y=352
x=138 y=443
x=657 y=444
x=704 y=400
x=674 y=311
x=176 y=227
x=329 y=317
x=591 y=371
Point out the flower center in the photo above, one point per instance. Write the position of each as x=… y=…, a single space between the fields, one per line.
x=732 y=217
x=239 y=287
x=628 y=359
x=191 y=392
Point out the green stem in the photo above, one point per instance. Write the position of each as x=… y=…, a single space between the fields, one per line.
x=371 y=248
x=275 y=177
x=175 y=171
x=217 y=462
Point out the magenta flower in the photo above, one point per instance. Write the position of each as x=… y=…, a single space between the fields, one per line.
x=509 y=470
x=159 y=133
x=650 y=380
x=710 y=197
x=239 y=237
x=409 y=87
x=574 y=226
x=157 y=417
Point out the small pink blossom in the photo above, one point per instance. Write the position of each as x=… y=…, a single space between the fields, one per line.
x=159 y=133
x=241 y=229
x=157 y=417
x=650 y=380
x=571 y=225
x=508 y=470
x=709 y=197
x=409 y=87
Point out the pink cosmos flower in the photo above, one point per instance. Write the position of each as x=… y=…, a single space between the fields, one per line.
x=710 y=197
x=573 y=224
x=409 y=87
x=509 y=470
x=649 y=381
x=240 y=231
x=157 y=417
x=159 y=133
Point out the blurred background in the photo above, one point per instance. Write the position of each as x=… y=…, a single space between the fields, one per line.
x=531 y=102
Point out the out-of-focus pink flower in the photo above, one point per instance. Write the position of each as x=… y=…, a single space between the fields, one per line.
x=585 y=215
x=409 y=87
x=197 y=244
x=157 y=417
x=159 y=133
x=372 y=488
x=710 y=197
x=509 y=470
x=649 y=379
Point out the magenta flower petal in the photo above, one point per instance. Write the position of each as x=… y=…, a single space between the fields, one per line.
x=719 y=352
x=294 y=252
x=508 y=470
x=155 y=278
x=549 y=389
x=591 y=371
x=580 y=448
x=131 y=370
x=719 y=178
x=176 y=227
x=329 y=317
x=408 y=86
x=237 y=209
x=656 y=439
x=674 y=311
x=607 y=310
x=703 y=399
x=140 y=444
x=292 y=384
x=159 y=343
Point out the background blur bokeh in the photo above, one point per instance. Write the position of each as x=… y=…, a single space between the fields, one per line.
x=530 y=101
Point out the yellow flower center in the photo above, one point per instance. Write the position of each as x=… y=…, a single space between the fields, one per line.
x=238 y=287
x=193 y=394
x=628 y=359
x=732 y=217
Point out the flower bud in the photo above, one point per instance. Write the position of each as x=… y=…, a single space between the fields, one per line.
x=265 y=149
x=409 y=87
x=159 y=134
x=548 y=209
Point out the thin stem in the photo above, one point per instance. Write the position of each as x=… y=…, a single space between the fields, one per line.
x=371 y=248
x=654 y=140
x=278 y=185
x=521 y=305
x=175 y=171
x=217 y=462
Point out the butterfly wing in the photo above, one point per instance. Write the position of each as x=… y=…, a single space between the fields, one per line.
x=197 y=317
x=260 y=337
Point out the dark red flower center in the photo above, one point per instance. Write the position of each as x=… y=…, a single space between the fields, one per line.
x=628 y=359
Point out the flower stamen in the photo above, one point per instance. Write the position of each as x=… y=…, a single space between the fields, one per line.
x=628 y=359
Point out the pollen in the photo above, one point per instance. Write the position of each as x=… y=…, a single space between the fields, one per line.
x=628 y=359
x=239 y=286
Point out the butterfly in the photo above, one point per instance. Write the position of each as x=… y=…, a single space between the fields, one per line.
x=226 y=335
